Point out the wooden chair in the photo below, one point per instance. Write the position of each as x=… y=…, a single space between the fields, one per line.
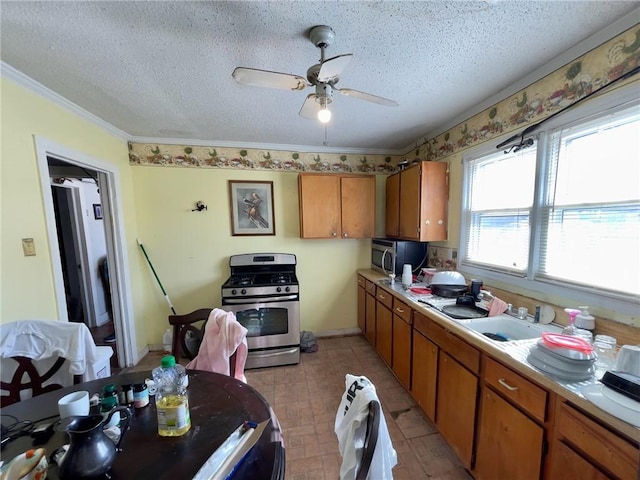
x=370 y=440
x=187 y=336
x=34 y=381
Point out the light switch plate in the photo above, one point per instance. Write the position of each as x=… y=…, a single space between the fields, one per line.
x=29 y=247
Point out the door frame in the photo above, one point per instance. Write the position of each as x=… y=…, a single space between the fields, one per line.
x=117 y=254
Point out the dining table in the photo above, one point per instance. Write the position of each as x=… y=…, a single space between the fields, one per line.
x=218 y=404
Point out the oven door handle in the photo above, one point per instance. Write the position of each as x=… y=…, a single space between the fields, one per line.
x=252 y=300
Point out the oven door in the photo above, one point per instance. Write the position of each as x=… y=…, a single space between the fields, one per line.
x=269 y=324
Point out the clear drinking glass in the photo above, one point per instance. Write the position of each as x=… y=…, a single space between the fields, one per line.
x=604 y=347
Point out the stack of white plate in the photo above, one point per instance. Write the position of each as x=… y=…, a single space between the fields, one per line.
x=563 y=363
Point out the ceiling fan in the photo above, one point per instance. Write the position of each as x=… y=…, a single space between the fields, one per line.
x=323 y=76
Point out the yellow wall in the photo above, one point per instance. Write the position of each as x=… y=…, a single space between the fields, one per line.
x=27 y=288
x=190 y=250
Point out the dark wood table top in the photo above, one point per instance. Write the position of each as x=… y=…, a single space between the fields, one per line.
x=218 y=405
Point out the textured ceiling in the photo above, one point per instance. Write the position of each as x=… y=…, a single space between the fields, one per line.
x=163 y=69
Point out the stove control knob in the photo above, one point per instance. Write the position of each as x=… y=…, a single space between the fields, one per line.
x=233 y=292
x=287 y=289
x=278 y=289
x=243 y=291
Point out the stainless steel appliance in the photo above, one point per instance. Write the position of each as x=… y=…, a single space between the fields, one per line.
x=388 y=255
x=264 y=294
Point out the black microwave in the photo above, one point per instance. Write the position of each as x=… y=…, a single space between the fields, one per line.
x=389 y=255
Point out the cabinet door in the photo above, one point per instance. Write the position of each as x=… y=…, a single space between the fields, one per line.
x=410 y=203
x=402 y=350
x=358 y=195
x=392 y=209
x=362 y=310
x=565 y=463
x=509 y=443
x=319 y=206
x=384 y=332
x=456 y=406
x=424 y=373
x=434 y=200
x=370 y=328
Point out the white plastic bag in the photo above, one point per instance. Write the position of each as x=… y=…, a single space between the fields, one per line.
x=351 y=429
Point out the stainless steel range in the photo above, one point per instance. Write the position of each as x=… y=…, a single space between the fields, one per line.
x=263 y=293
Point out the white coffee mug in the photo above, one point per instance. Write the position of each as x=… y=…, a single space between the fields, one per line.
x=628 y=359
x=74 y=404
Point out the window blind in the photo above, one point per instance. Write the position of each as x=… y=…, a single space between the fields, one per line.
x=498 y=210
x=590 y=215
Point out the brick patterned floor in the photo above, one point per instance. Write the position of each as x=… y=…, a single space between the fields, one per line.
x=306 y=396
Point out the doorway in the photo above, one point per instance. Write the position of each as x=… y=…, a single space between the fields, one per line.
x=60 y=162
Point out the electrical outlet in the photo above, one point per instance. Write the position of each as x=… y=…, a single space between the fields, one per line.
x=28 y=247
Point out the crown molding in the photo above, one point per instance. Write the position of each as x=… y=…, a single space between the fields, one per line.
x=7 y=71
x=575 y=51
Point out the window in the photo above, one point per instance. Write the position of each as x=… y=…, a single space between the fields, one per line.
x=564 y=213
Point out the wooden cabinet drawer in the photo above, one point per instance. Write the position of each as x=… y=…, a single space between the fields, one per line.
x=385 y=298
x=528 y=396
x=371 y=287
x=458 y=348
x=602 y=446
x=361 y=281
x=402 y=310
x=421 y=323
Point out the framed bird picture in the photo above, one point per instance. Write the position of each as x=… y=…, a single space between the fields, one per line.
x=251 y=208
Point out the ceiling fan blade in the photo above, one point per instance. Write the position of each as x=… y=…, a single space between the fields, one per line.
x=310 y=107
x=367 y=97
x=332 y=67
x=265 y=78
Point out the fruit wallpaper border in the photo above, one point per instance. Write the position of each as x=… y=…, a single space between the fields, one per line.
x=561 y=88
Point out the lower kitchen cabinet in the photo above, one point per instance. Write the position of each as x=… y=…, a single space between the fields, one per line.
x=362 y=304
x=401 y=351
x=567 y=464
x=509 y=443
x=578 y=435
x=384 y=325
x=424 y=372
x=456 y=406
x=370 y=314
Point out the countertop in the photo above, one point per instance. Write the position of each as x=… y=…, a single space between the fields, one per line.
x=513 y=354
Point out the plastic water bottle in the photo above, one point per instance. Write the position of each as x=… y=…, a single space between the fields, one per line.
x=172 y=404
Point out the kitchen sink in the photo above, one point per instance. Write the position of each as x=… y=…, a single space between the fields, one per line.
x=505 y=328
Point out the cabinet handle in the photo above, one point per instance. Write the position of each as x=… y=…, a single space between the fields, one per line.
x=333 y=234
x=440 y=222
x=427 y=222
x=399 y=310
x=382 y=297
x=344 y=235
x=502 y=382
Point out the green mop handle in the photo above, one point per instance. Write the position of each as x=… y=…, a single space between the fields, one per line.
x=166 y=297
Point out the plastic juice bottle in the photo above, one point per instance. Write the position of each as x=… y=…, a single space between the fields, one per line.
x=172 y=404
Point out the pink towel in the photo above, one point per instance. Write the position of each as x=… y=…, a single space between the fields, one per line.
x=496 y=306
x=223 y=335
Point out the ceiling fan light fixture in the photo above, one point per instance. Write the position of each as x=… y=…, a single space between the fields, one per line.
x=324 y=115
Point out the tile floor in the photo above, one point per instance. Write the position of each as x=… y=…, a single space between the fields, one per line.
x=306 y=396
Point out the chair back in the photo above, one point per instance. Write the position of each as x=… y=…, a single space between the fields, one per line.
x=188 y=331
x=38 y=356
x=363 y=437
x=370 y=440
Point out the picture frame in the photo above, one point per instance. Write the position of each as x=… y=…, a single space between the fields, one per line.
x=97 y=211
x=252 y=211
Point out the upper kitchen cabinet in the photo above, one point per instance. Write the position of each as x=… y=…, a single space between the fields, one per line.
x=337 y=206
x=417 y=200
